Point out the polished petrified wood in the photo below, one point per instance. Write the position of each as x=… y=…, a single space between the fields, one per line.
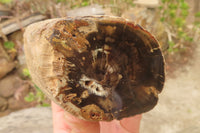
x=97 y=68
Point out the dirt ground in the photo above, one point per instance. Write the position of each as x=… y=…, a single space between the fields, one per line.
x=178 y=109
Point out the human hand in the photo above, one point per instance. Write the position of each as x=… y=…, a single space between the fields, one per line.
x=64 y=122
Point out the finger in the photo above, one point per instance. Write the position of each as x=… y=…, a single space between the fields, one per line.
x=59 y=123
x=81 y=126
x=131 y=124
x=126 y=125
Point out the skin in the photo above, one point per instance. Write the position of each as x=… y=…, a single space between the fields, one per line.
x=63 y=122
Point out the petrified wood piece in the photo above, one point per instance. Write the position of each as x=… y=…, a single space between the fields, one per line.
x=97 y=68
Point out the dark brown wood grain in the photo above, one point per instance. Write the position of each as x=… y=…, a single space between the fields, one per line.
x=112 y=68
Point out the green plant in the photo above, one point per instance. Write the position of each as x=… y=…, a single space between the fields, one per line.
x=57 y=1
x=197 y=14
x=173 y=15
x=197 y=21
x=38 y=96
x=85 y=3
x=117 y=6
x=75 y=3
x=5 y=1
x=171 y=47
x=26 y=73
x=9 y=45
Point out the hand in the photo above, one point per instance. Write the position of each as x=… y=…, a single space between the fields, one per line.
x=64 y=122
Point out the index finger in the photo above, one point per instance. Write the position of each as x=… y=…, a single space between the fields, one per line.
x=59 y=123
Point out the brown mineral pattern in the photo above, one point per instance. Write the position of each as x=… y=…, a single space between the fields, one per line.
x=97 y=68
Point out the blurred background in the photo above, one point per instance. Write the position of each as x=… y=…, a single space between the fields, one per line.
x=176 y=25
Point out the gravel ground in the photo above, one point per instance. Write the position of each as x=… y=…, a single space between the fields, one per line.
x=32 y=120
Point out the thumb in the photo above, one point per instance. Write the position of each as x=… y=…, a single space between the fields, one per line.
x=81 y=126
x=131 y=124
x=126 y=125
